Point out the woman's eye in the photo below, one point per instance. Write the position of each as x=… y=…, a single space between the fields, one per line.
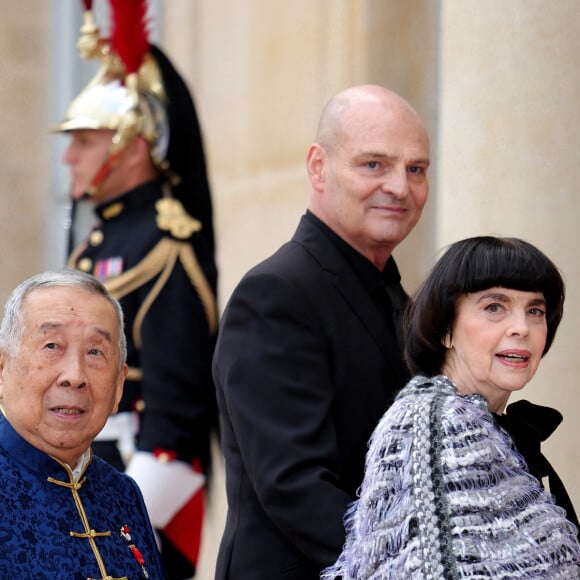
x=537 y=312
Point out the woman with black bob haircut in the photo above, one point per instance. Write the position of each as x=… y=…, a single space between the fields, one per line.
x=469 y=266
x=452 y=486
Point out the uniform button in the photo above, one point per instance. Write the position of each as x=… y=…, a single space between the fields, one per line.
x=85 y=265
x=113 y=210
x=164 y=457
x=96 y=238
x=140 y=406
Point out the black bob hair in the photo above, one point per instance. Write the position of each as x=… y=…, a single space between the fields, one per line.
x=472 y=265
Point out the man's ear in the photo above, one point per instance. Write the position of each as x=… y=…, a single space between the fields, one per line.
x=137 y=151
x=315 y=162
x=119 y=387
x=142 y=145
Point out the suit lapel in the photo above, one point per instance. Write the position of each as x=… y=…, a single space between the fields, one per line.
x=363 y=308
x=351 y=290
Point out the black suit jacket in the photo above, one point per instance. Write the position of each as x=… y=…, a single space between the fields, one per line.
x=304 y=367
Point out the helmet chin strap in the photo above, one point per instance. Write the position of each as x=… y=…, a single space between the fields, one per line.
x=110 y=163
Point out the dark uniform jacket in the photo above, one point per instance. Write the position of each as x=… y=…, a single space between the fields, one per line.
x=305 y=365
x=152 y=257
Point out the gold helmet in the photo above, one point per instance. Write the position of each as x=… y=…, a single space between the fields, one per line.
x=110 y=103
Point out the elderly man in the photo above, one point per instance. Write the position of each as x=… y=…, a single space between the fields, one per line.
x=65 y=514
x=309 y=356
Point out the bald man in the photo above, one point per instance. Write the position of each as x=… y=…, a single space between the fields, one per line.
x=309 y=353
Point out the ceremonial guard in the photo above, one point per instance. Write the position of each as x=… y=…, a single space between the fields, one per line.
x=136 y=154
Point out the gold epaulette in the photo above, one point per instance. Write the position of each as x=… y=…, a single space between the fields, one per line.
x=172 y=218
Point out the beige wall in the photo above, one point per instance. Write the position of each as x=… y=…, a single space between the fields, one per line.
x=24 y=142
x=496 y=82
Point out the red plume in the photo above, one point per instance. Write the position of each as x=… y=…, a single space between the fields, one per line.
x=129 y=35
x=88 y=5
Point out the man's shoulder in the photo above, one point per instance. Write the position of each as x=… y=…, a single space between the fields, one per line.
x=308 y=251
x=292 y=265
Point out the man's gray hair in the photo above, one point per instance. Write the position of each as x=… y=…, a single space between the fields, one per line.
x=12 y=327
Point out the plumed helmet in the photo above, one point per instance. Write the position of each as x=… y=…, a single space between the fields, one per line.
x=138 y=92
x=127 y=93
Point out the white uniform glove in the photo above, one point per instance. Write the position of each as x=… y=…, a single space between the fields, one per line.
x=166 y=486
